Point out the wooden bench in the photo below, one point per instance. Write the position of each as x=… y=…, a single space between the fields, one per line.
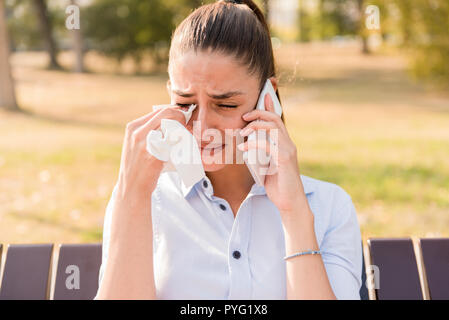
x=397 y=268
x=28 y=273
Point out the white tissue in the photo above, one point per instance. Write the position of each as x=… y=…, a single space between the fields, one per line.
x=177 y=147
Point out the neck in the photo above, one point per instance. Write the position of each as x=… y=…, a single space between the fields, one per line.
x=233 y=182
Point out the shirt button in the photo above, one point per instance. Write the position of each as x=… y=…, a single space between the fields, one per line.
x=236 y=254
x=205 y=184
x=222 y=207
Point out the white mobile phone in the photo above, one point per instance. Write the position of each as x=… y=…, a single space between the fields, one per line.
x=252 y=158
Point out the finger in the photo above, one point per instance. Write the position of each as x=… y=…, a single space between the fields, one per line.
x=136 y=123
x=263 y=115
x=168 y=106
x=270 y=157
x=257 y=125
x=155 y=122
x=261 y=144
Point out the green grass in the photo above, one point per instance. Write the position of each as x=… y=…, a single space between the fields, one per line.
x=392 y=184
x=357 y=121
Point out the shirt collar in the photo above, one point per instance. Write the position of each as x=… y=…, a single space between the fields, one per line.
x=307 y=182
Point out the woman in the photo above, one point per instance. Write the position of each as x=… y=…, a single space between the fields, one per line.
x=225 y=237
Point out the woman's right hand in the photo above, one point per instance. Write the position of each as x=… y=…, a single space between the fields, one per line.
x=139 y=171
x=128 y=273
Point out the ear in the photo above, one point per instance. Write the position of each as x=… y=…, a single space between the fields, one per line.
x=274 y=82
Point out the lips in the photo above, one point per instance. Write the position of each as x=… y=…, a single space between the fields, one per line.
x=212 y=146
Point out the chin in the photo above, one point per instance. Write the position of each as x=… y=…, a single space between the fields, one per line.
x=213 y=161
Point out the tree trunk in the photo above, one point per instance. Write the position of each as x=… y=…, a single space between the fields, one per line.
x=78 y=50
x=362 y=30
x=78 y=47
x=46 y=29
x=7 y=96
x=321 y=19
x=303 y=27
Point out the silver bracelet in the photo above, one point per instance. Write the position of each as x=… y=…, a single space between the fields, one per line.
x=302 y=253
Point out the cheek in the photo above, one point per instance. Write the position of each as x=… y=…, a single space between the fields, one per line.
x=221 y=122
x=233 y=122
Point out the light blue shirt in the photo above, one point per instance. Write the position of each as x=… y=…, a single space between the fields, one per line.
x=195 y=240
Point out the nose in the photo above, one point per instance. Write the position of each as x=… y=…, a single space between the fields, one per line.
x=201 y=116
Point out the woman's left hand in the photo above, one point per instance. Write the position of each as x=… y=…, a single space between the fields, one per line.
x=283 y=183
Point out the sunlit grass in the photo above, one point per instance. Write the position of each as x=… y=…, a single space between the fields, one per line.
x=357 y=121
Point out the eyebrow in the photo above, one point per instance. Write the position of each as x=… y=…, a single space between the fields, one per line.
x=218 y=97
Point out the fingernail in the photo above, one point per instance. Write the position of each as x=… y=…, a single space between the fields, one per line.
x=245 y=115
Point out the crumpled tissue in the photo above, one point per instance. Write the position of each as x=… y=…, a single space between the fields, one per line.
x=177 y=147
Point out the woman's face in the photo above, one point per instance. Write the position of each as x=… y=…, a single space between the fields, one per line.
x=223 y=91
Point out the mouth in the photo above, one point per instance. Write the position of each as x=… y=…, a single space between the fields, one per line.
x=214 y=147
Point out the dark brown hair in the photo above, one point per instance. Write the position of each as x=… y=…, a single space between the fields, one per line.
x=237 y=28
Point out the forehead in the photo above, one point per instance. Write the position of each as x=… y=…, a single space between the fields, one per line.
x=212 y=70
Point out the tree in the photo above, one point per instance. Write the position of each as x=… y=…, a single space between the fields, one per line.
x=78 y=47
x=129 y=28
x=421 y=29
x=305 y=22
x=427 y=38
x=46 y=29
x=182 y=8
x=7 y=96
x=325 y=19
x=266 y=10
x=22 y=31
x=362 y=29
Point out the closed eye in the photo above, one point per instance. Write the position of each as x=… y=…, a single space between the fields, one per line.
x=227 y=106
x=183 y=105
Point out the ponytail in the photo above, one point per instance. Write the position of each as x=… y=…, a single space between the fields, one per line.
x=259 y=14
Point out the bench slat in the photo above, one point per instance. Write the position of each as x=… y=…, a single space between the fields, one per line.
x=77 y=272
x=435 y=254
x=398 y=270
x=363 y=289
x=26 y=272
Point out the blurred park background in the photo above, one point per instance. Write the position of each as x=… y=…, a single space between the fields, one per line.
x=367 y=104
